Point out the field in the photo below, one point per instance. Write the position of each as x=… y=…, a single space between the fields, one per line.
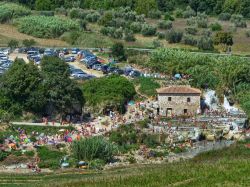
x=227 y=167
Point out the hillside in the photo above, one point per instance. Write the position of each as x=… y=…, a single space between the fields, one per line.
x=227 y=167
x=171 y=24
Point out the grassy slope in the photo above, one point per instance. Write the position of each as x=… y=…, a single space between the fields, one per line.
x=241 y=42
x=228 y=167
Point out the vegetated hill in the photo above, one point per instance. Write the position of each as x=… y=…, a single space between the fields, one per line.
x=192 y=24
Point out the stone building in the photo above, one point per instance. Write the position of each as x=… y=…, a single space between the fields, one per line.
x=178 y=100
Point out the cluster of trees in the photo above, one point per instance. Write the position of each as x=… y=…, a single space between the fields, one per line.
x=108 y=93
x=146 y=6
x=49 y=91
x=224 y=74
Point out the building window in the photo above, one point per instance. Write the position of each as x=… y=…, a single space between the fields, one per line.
x=169 y=98
x=188 y=100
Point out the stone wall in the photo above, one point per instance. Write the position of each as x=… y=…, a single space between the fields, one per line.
x=178 y=103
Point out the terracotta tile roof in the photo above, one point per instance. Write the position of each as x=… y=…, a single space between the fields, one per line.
x=179 y=90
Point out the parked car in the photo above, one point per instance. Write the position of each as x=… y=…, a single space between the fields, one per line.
x=75 y=51
x=118 y=71
x=78 y=74
x=97 y=67
x=69 y=59
x=90 y=64
x=134 y=73
x=3 y=57
x=105 y=69
x=65 y=51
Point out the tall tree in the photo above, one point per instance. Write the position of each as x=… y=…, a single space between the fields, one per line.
x=62 y=93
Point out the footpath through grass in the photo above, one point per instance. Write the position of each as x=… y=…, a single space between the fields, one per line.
x=227 y=167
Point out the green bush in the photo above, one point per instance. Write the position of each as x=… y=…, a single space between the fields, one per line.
x=191 y=30
x=148 y=30
x=93 y=17
x=129 y=36
x=45 y=27
x=224 y=16
x=75 y=13
x=161 y=35
x=93 y=148
x=5 y=16
x=179 y=13
x=173 y=36
x=189 y=40
x=49 y=158
x=29 y=153
x=205 y=43
x=3 y=155
x=150 y=140
x=97 y=164
x=111 y=92
x=154 y=14
x=168 y=16
x=189 y=12
x=248 y=33
x=215 y=27
x=136 y=27
x=238 y=20
x=165 y=25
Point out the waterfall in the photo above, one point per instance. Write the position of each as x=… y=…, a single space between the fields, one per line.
x=211 y=99
x=227 y=106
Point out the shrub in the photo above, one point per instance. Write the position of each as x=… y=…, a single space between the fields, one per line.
x=248 y=34
x=136 y=27
x=118 y=34
x=202 y=20
x=191 y=30
x=129 y=36
x=205 y=43
x=189 y=40
x=13 y=44
x=224 y=17
x=93 y=148
x=3 y=155
x=189 y=12
x=49 y=158
x=161 y=35
x=173 y=36
x=74 y=13
x=165 y=25
x=93 y=17
x=156 y=43
x=5 y=16
x=215 y=27
x=45 y=27
x=154 y=14
x=148 y=30
x=168 y=16
x=140 y=18
x=238 y=20
x=29 y=42
x=179 y=13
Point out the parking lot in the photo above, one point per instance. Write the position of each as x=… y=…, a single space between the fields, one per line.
x=83 y=64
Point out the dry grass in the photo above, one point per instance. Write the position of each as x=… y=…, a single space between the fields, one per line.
x=9 y=32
